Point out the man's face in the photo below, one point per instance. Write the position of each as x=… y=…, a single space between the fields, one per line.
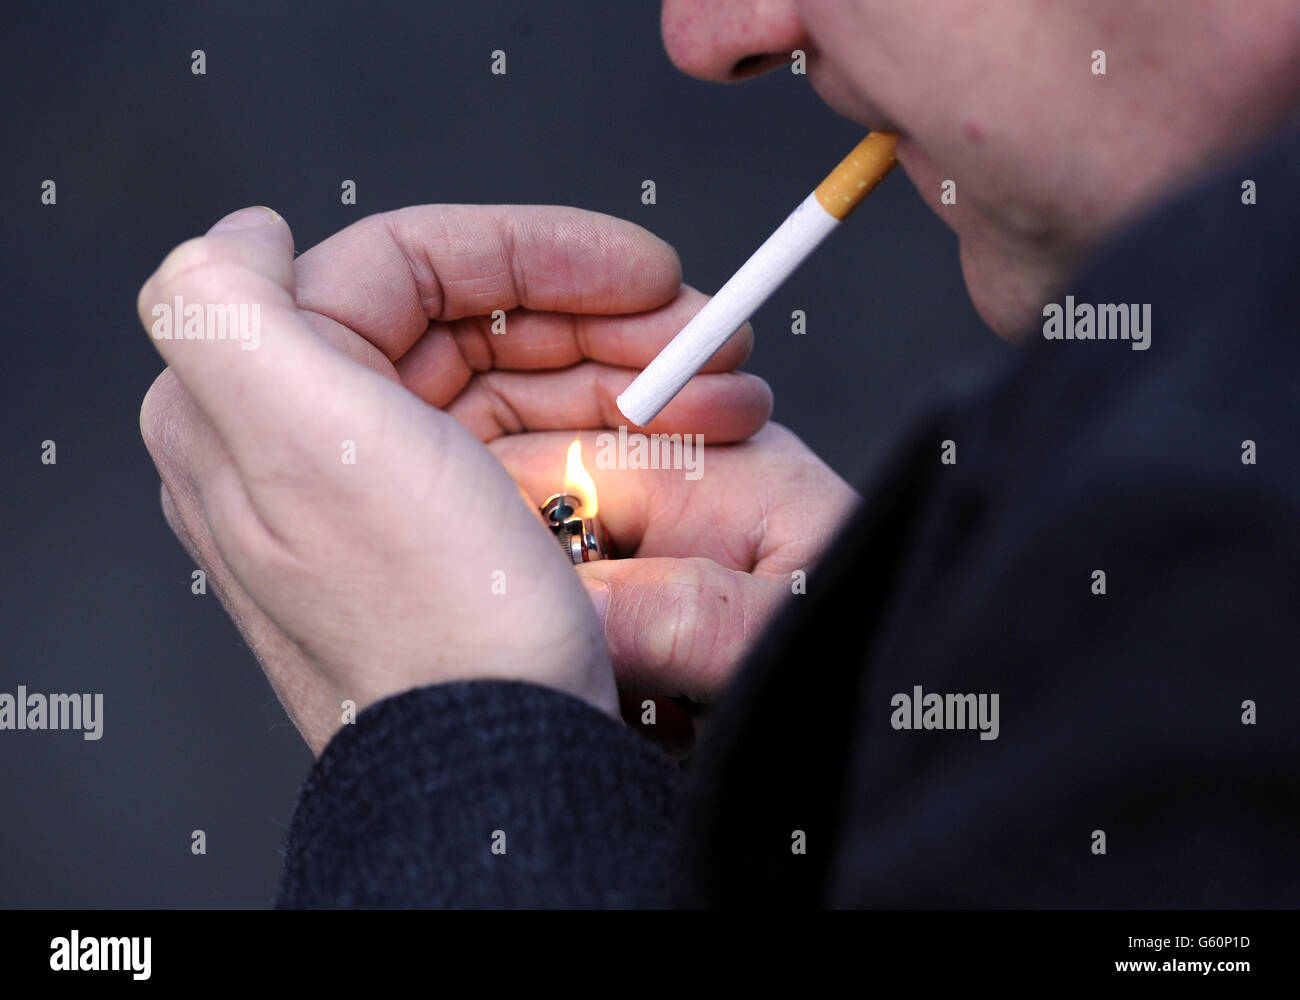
x=1001 y=97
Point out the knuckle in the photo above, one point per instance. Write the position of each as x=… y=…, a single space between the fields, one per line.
x=199 y=256
x=160 y=416
x=686 y=614
x=201 y=267
x=697 y=610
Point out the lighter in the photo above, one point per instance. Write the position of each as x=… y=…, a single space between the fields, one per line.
x=573 y=522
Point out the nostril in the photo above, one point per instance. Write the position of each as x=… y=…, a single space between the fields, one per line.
x=753 y=65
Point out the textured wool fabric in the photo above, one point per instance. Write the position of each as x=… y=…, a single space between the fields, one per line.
x=1120 y=713
x=406 y=805
x=1154 y=719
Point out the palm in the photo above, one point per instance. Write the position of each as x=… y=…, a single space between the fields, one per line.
x=762 y=510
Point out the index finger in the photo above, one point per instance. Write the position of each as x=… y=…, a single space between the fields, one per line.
x=389 y=276
x=220 y=309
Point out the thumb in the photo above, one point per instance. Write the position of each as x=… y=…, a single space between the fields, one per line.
x=679 y=626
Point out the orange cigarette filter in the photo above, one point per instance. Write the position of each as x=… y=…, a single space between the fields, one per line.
x=857 y=174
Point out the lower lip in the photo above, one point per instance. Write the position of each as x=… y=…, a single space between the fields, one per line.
x=906 y=151
x=926 y=177
x=921 y=170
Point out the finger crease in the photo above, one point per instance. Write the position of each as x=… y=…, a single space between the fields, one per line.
x=428 y=288
x=507 y=418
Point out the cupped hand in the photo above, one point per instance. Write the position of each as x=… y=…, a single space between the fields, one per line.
x=709 y=559
x=331 y=474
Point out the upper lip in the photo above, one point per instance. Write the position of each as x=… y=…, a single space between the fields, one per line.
x=851 y=106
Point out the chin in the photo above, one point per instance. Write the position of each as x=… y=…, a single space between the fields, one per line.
x=1008 y=295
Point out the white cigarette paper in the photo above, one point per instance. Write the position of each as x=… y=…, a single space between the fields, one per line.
x=815 y=218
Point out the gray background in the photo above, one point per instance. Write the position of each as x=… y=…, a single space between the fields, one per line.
x=95 y=591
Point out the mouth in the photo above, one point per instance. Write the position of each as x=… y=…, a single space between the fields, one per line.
x=925 y=175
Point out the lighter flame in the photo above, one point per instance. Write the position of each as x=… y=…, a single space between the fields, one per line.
x=577 y=482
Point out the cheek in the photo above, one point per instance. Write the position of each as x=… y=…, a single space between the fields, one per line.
x=977 y=89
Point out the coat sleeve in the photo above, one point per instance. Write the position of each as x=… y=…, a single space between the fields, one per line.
x=483 y=794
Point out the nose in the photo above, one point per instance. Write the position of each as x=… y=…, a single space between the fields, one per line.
x=730 y=40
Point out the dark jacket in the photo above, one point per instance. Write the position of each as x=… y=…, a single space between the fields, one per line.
x=1146 y=750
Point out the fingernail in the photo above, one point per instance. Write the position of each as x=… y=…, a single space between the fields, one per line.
x=246 y=218
x=598 y=591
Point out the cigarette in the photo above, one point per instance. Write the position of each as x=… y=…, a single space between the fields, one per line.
x=797 y=237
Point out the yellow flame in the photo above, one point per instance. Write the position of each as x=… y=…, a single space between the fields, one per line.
x=577 y=482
